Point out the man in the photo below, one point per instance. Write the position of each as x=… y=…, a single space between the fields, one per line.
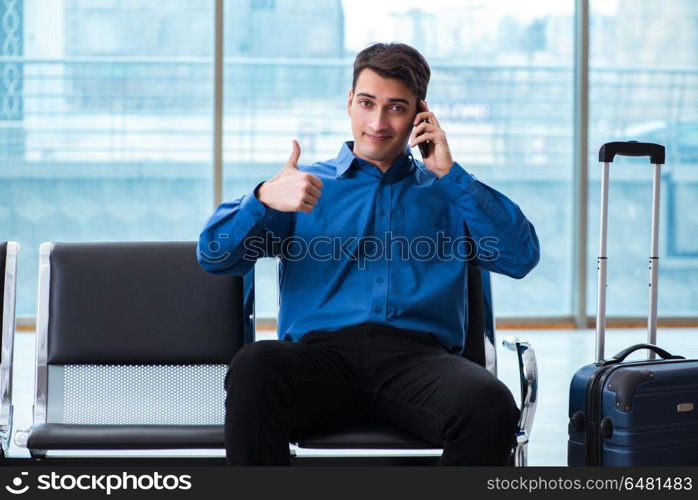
x=367 y=332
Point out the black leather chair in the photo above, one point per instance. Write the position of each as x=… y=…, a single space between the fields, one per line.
x=133 y=343
x=8 y=285
x=373 y=440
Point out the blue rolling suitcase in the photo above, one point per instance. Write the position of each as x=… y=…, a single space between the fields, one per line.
x=627 y=413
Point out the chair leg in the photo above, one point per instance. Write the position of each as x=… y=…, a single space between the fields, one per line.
x=521 y=455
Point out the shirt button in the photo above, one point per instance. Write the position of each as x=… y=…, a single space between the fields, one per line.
x=382 y=212
x=378 y=309
x=379 y=279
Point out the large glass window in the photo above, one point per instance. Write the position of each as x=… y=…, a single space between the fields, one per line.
x=105 y=123
x=644 y=86
x=106 y=113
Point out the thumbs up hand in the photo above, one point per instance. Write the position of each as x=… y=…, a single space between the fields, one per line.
x=291 y=190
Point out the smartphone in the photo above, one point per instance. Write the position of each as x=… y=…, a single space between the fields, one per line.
x=424 y=147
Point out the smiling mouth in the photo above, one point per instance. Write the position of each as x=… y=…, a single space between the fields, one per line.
x=377 y=138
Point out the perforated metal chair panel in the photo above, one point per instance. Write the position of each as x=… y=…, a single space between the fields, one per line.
x=142 y=395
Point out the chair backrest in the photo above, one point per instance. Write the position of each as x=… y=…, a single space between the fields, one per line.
x=3 y=271
x=8 y=286
x=480 y=332
x=135 y=333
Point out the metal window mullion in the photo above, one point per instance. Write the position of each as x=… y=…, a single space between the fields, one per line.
x=581 y=161
x=218 y=105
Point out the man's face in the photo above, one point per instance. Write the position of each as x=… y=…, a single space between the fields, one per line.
x=382 y=111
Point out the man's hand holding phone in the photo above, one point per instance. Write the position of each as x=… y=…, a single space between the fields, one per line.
x=291 y=190
x=430 y=138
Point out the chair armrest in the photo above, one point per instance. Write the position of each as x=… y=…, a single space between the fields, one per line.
x=6 y=433
x=21 y=437
x=528 y=374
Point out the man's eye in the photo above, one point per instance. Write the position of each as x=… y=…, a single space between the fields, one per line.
x=397 y=108
x=366 y=103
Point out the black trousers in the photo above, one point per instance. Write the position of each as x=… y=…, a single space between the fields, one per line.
x=367 y=372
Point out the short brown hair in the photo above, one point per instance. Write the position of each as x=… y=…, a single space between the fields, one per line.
x=395 y=60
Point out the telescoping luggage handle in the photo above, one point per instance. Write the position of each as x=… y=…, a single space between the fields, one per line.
x=631 y=148
x=607 y=152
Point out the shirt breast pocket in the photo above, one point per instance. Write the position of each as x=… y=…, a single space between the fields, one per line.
x=427 y=228
x=425 y=220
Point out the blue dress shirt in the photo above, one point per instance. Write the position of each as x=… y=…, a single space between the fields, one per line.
x=389 y=248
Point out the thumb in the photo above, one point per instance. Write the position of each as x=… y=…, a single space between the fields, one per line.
x=293 y=159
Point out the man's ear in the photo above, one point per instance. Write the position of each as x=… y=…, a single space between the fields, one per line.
x=351 y=96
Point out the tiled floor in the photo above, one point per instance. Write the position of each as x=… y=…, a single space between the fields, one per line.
x=559 y=352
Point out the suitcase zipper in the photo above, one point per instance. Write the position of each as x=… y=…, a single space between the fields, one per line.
x=593 y=437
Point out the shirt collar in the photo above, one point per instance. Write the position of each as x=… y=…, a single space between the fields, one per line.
x=346 y=158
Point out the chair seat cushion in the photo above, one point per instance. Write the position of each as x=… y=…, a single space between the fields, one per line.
x=124 y=437
x=368 y=435
x=151 y=437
